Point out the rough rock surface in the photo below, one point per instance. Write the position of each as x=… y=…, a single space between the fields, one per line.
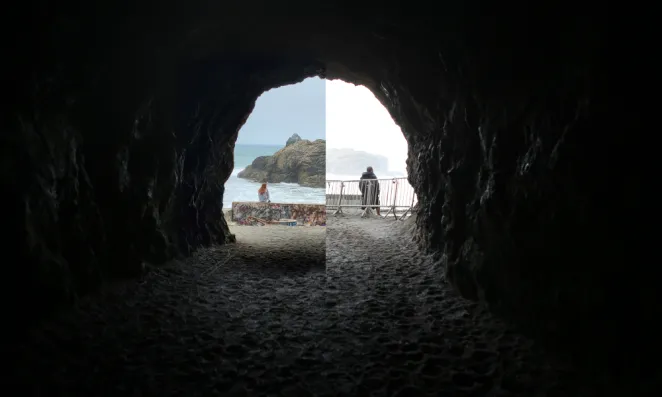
x=529 y=145
x=302 y=162
x=234 y=321
x=293 y=139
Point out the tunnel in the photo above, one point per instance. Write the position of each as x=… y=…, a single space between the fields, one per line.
x=527 y=151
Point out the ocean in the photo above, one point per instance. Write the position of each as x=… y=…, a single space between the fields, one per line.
x=237 y=189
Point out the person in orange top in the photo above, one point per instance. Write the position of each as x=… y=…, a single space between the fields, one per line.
x=263 y=194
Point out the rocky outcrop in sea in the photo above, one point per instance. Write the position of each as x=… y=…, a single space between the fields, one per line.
x=301 y=161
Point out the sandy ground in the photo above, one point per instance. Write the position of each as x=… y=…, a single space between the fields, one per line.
x=278 y=249
x=261 y=318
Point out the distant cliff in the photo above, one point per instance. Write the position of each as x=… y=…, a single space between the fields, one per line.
x=300 y=161
x=353 y=162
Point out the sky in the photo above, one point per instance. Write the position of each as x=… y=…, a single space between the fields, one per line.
x=283 y=111
x=347 y=116
x=355 y=119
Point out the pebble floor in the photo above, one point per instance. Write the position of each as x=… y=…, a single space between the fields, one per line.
x=351 y=309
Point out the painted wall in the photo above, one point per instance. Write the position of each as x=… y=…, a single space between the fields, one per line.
x=305 y=214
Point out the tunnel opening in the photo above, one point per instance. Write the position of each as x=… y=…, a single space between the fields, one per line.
x=273 y=199
x=364 y=142
x=286 y=118
x=369 y=200
x=514 y=150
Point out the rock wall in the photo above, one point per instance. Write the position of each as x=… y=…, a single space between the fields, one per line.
x=300 y=161
x=251 y=213
x=118 y=165
x=528 y=145
x=293 y=139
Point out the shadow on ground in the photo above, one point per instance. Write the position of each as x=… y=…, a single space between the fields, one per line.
x=230 y=322
x=278 y=250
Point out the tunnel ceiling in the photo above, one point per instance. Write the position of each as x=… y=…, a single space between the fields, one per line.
x=125 y=115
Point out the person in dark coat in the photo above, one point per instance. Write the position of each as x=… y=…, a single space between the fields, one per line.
x=369 y=186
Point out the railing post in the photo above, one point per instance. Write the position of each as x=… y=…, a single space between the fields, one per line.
x=339 y=209
x=369 y=199
x=411 y=206
x=395 y=199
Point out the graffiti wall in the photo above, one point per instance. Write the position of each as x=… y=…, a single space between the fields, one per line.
x=256 y=213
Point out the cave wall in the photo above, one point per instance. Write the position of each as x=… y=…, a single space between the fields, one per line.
x=528 y=193
x=111 y=184
x=124 y=120
x=116 y=150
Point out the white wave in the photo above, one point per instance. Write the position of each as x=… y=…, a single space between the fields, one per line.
x=237 y=189
x=236 y=171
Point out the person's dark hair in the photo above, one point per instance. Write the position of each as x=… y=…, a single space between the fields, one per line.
x=369 y=169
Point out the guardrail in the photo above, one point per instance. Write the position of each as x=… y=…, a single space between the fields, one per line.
x=395 y=194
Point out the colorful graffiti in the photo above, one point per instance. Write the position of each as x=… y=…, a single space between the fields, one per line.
x=256 y=213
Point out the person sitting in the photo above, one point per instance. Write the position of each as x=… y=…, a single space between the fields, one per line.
x=369 y=186
x=263 y=194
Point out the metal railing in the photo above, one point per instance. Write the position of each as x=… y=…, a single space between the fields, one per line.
x=396 y=195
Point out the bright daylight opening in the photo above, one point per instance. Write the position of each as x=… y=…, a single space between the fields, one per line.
x=279 y=174
x=360 y=134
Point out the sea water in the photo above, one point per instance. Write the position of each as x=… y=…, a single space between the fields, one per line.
x=238 y=189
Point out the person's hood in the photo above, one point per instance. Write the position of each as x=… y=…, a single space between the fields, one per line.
x=368 y=175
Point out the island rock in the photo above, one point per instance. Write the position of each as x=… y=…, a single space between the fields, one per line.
x=302 y=162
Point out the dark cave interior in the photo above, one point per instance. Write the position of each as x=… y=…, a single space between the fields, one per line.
x=123 y=118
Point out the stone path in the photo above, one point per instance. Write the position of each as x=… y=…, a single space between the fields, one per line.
x=228 y=322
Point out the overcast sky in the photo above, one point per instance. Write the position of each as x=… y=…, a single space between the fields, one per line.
x=355 y=119
x=283 y=111
x=347 y=116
